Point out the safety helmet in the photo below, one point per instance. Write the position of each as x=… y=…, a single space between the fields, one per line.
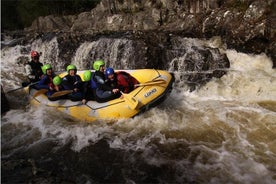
x=57 y=80
x=45 y=68
x=71 y=67
x=97 y=64
x=109 y=71
x=87 y=75
x=34 y=54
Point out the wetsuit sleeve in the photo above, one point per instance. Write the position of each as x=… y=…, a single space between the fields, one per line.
x=78 y=84
x=122 y=83
x=126 y=81
x=101 y=84
x=99 y=80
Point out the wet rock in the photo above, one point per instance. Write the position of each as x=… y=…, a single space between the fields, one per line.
x=137 y=49
x=152 y=34
x=247 y=26
x=22 y=60
x=4 y=102
x=53 y=23
x=198 y=64
x=15 y=171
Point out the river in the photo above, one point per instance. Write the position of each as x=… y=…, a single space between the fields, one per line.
x=223 y=132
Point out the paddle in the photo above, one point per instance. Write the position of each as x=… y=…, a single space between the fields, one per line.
x=61 y=93
x=132 y=102
x=39 y=92
x=23 y=87
x=159 y=81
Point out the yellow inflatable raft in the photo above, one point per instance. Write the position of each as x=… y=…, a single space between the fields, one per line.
x=153 y=88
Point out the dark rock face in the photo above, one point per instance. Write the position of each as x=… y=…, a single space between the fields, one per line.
x=248 y=26
x=196 y=63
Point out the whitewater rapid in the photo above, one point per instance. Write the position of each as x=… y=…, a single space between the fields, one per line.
x=223 y=132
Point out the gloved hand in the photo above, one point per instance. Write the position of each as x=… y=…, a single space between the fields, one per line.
x=31 y=76
x=51 y=86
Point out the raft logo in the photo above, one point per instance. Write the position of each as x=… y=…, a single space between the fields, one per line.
x=150 y=92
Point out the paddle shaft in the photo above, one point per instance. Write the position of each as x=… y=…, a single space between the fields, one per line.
x=151 y=83
x=23 y=87
x=132 y=102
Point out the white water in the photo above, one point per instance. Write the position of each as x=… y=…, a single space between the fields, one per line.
x=224 y=132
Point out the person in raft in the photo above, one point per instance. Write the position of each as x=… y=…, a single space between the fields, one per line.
x=57 y=82
x=101 y=91
x=72 y=81
x=122 y=80
x=47 y=81
x=33 y=69
x=87 y=89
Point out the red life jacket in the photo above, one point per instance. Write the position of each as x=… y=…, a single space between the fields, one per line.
x=51 y=84
x=126 y=81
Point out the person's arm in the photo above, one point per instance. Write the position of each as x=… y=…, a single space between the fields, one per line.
x=133 y=82
x=122 y=83
x=102 y=85
x=42 y=84
x=78 y=84
x=66 y=84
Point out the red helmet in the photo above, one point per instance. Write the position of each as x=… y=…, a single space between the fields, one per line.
x=34 y=54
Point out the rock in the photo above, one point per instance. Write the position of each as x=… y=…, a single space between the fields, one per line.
x=4 y=102
x=52 y=24
x=246 y=26
x=133 y=50
x=144 y=34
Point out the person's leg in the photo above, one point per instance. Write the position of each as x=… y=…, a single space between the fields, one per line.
x=104 y=96
x=76 y=96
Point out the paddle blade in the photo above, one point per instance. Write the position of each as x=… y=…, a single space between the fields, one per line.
x=132 y=102
x=39 y=92
x=61 y=93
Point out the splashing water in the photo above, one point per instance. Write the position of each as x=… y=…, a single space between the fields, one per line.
x=223 y=132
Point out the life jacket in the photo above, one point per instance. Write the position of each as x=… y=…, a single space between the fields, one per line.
x=71 y=82
x=126 y=81
x=98 y=80
x=46 y=82
x=51 y=84
x=36 y=68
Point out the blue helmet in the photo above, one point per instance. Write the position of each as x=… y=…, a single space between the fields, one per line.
x=109 y=71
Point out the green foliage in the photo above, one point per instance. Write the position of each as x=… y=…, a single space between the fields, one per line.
x=17 y=14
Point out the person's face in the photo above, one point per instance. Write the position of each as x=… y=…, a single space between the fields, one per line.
x=36 y=58
x=72 y=72
x=111 y=77
x=49 y=71
x=102 y=68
